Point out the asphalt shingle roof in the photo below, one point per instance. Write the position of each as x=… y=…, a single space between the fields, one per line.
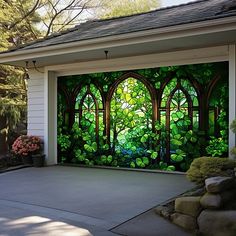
x=165 y=17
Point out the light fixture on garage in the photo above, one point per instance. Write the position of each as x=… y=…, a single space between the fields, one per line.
x=26 y=75
x=35 y=67
x=106 y=53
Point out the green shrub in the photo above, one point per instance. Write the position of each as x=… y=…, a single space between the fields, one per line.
x=205 y=167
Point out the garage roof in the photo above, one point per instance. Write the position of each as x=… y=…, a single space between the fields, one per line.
x=192 y=12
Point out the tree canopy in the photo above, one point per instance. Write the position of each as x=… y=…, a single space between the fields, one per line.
x=22 y=21
x=126 y=7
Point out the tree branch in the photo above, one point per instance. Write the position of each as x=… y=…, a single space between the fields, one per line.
x=25 y=15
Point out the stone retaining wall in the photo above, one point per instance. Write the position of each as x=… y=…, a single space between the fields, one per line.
x=208 y=214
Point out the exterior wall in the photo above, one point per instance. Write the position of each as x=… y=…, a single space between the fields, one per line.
x=232 y=93
x=42 y=111
x=50 y=128
x=36 y=105
x=42 y=103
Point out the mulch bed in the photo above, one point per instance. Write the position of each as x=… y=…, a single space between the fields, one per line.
x=9 y=162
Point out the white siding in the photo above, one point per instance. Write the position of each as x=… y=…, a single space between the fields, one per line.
x=36 y=104
x=42 y=111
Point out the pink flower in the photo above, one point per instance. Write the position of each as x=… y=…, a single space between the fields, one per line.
x=26 y=145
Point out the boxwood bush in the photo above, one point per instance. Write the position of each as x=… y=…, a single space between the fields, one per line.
x=204 y=167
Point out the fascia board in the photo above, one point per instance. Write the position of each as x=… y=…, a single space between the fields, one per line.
x=194 y=56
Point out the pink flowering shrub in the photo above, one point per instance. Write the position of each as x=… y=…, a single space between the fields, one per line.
x=26 y=145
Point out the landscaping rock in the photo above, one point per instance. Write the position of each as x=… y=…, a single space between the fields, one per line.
x=159 y=210
x=216 y=201
x=188 y=205
x=164 y=211
x=218 y=184
x=217 y=223
x=184 y=221
x=211 y=201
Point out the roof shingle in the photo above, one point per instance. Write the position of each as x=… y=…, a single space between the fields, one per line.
x=165 y=17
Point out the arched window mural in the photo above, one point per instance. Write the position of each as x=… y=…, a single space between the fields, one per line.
x=130 y=118
x=159 y=118
x=89 y=112
x=179 y=114
x=218 y=118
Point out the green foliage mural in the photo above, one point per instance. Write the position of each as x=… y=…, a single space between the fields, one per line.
x=159 y=118
x=131 y=116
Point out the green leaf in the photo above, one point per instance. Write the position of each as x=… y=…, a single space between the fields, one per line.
x=154 y=155
x=129 y=145
x=157 y=85
x=87 y=148
x=146 y=161
x=162 y=165
x=158 y=126
x=114 y=163
x=180 y=114
x=132 y=164
x=174 y=117
x=103 y=158
x=170 y=168
x=139 y=161
x=94 y=146
x=176 y=142
x=193 y=139
x=179 y=156
x=174 y=128
x=126 y=111
x=81 y=157
x=109 y=159
x=105 y=147
x=142 y=165
x=127 y=96
x=180 y=152
x=143 y=139
x=119 y=91
x=176 y=157
x=177 y=136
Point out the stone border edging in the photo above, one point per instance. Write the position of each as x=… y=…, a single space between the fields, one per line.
x=14 y=168
x=125 y=169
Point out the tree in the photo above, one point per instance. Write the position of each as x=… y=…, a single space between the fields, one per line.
x=126 y=7
x=58 y=15
x=17 y=26
x=20 y=22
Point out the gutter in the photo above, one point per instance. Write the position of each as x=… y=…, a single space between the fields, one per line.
x=172 y=32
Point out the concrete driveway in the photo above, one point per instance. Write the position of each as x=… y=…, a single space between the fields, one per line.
x=80 y=201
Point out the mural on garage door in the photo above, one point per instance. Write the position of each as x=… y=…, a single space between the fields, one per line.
x=158 y=118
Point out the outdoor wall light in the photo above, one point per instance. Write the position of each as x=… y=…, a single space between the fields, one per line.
x=26 y=75
x=35 y=67
x=106 y=53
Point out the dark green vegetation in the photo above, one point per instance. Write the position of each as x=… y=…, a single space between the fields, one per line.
x=158 y=118
x=205 y=167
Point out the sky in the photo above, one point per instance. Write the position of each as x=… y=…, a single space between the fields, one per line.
x=165 y=3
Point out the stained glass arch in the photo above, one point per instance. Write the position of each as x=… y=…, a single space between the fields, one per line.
x=89 y=110
x=179 y=111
